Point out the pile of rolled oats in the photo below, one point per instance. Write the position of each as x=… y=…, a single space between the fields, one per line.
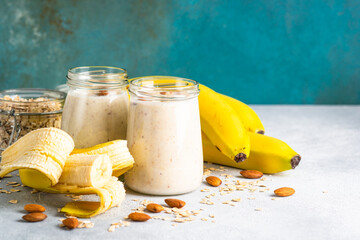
x=29 y=114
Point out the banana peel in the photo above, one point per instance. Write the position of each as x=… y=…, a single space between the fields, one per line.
x=111 y=194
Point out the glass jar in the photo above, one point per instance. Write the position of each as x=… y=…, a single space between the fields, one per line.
x=26 y=109
x=164 y=136
x=62 y=88
x=96 y=106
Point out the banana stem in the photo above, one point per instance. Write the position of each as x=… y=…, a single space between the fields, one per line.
x=240 y=157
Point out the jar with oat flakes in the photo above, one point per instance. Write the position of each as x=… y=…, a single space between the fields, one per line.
x=96 y=106
x=27 y=109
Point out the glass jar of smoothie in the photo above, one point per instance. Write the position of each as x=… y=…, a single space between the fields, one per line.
x=164 y=136
x=96 y=106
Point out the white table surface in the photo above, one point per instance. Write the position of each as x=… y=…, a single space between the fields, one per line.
x=326 y=204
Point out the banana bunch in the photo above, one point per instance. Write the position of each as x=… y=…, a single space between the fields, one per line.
x=47 y=161
x=232 y=135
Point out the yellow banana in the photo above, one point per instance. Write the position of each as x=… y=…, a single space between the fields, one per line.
x=247 y=115
x=267 y=154
x=221 y=124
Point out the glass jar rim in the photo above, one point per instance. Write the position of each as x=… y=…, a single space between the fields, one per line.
x=49 y=94
x=97 y=77
x=164 y=87
x=52 y=96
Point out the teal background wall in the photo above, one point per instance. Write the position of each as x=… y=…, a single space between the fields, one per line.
x=260 y=51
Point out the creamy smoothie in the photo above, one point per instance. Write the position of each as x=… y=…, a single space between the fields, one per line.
x=94 y=118
x=164 y=138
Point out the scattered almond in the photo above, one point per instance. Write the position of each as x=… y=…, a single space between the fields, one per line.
x=172 y=202
x=252 y=174
x=139 y=217
x=213 y=181
x=284 y=192
x=34 y=217
x=155 y=208
x=71 y=223
x=34 y=208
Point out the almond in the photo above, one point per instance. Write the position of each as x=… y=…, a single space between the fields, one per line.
x=34 y=208
x=71 y=223
x=139 y=217
x=172 y=202
x=153 y=207
x=284 y=192
x=34 y=217
x=213 y=181
x=252 y=174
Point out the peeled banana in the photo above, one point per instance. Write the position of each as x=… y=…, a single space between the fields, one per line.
x=267 y=154
x=246 y=114
x=222 y=125
x=86 y=171
x=117 y=151
x=44 y=162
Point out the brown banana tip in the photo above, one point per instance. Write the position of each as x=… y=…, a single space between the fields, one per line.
x=240 y=157
x=260 y=132
x=295 y=161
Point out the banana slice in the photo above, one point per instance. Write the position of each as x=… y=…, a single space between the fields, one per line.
x=117 y=151
x=83 y=170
